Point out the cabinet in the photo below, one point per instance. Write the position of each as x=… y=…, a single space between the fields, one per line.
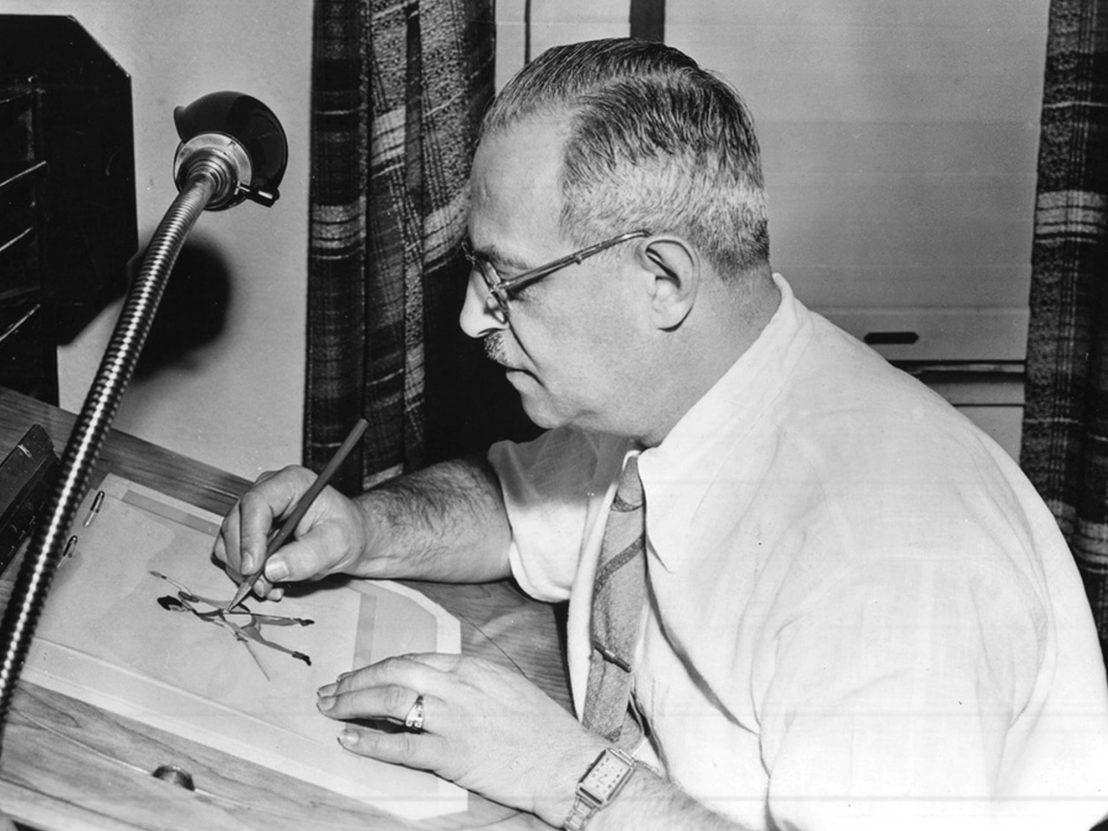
x=67 y=201
x=27 y=361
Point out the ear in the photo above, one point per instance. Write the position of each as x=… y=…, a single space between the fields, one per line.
x=676 y=268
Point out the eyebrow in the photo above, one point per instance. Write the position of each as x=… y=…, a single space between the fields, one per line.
x=496 y=257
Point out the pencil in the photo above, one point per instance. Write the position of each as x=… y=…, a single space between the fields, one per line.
x=280 y=534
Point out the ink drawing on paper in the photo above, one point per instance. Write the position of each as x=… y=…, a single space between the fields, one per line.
x=131 y=627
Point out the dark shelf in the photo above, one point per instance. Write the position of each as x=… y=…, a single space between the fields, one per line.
x=16 y=178
x=67 y=194
x=14 y=102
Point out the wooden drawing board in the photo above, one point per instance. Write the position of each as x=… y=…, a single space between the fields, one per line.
x=103 y=638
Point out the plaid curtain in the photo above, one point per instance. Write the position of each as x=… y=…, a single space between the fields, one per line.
x=397 y=92
x=1065 y=428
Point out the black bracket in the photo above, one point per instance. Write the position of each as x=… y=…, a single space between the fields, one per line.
x=26 y=476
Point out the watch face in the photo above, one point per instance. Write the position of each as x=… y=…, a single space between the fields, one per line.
x=605 y=776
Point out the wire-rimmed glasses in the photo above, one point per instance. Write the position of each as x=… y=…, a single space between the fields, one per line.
x=501 y=290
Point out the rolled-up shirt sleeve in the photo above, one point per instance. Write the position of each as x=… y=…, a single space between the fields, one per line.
x=549 y=485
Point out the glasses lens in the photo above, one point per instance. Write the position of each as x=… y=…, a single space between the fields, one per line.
x=497 y=301
x=497 y=307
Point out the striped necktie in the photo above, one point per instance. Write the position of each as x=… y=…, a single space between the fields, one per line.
x=619 y=593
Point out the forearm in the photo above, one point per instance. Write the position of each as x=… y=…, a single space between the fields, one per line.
x=446 y=522
x=648 y=803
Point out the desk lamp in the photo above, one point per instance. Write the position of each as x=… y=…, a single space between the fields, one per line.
x=232 y=149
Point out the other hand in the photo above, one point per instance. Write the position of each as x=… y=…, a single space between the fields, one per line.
x=485 y=727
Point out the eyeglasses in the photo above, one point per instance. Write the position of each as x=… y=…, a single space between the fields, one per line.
x=501 y=290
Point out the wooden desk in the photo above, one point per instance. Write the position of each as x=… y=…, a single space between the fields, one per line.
x=67 y=764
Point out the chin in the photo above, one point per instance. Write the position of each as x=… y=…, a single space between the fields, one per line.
x=545 y=410
x=540 y=411
x=541 y=417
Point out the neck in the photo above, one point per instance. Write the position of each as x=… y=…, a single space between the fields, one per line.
x=727 y=320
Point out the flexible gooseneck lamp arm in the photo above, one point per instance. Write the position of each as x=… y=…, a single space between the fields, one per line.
x=232 y=149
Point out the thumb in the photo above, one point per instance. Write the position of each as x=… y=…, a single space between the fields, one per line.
x=307 y=558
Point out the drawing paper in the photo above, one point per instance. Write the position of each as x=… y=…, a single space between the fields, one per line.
x=103 y=638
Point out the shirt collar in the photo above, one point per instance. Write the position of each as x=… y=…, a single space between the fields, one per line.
x=677 y=473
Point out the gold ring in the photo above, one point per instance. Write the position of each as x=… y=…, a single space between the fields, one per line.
x=414 y=719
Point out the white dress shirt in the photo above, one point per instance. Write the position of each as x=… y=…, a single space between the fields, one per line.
x=860 y=613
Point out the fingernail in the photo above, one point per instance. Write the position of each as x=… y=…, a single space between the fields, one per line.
x=348 y=738
x=325 y=703
x=276 y=571
x=326 y=690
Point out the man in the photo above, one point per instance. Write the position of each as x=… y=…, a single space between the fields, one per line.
x=845 y=607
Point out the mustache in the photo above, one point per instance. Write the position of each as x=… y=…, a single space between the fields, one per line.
x=494 y=348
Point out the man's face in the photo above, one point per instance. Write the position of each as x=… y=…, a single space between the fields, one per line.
x=569 y=345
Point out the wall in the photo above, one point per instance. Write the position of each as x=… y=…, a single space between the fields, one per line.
x=899 y=142
x=234 y=401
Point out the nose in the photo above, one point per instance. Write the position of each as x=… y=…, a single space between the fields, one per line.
x=475 y=318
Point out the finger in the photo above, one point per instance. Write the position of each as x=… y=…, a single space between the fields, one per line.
x=226 y=547
x=228 y=544
x=391 y=701
x=411 y=671
x=414 y=750
x=264 y=589
x=227 y=550
x=272 y=496
x=256 y=517
x=441 y=661
x=261 y=587
x=450 y=667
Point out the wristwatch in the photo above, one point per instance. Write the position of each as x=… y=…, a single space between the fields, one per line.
x=604 y=779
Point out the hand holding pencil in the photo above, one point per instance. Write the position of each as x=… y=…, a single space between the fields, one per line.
x=264 y=520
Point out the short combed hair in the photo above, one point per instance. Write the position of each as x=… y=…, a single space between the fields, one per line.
x=655 y=142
